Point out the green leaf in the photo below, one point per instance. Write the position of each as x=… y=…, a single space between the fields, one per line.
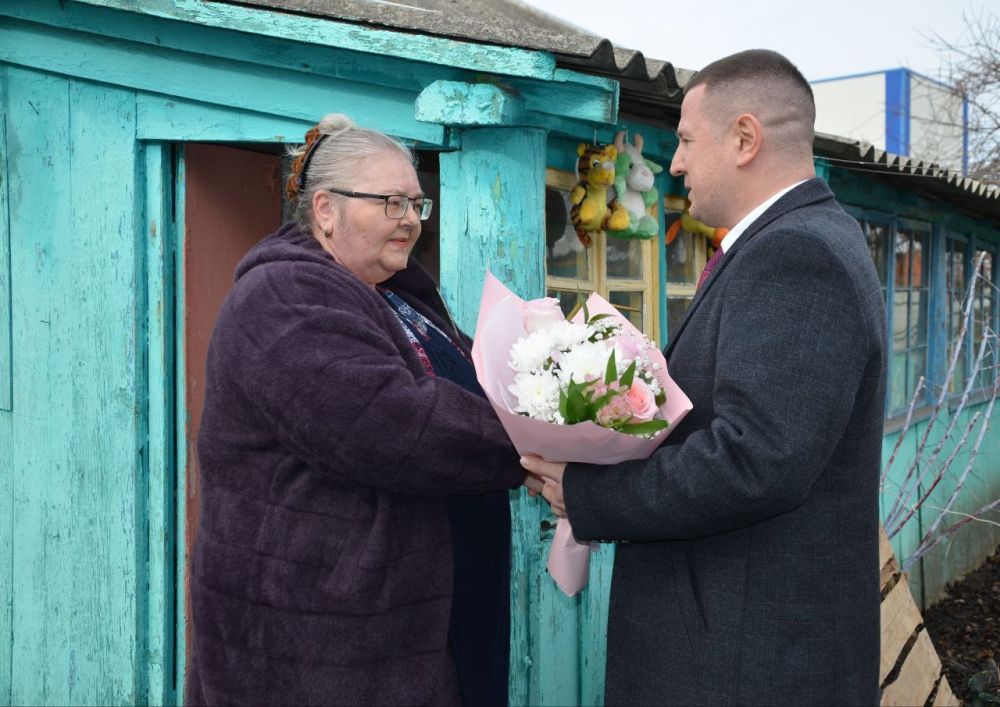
x=576 y=403
x=586 y=313
x=661 y=398
x=628 y=375
x=595 y=405
x=644 y=428
x=562 y=404
x=612 y=373
x=597 y=318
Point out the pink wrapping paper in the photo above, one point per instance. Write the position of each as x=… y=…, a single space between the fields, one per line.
x=499 y=326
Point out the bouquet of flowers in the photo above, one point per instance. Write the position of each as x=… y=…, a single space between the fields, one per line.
x=592 y=389
x=568 y=372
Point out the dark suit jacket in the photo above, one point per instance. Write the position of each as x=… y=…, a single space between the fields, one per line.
x=747 y=569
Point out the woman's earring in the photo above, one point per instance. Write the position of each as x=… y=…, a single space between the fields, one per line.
x=327 y=231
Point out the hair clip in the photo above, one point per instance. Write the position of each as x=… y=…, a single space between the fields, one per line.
x=301 y=181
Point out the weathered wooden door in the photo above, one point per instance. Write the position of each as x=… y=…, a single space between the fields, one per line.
x=232 y=199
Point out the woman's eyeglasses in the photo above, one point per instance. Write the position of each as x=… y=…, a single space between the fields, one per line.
x=395 y=204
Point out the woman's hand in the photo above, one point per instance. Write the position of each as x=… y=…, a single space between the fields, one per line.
x=551 y=475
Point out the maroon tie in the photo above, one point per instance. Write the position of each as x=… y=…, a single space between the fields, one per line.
x=709 y=267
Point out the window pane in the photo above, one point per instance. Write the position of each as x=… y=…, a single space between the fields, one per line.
x=900 y=311
x=902 y=251
x=681 y=265
x=569 y=300
x=979 y=314
x=918 y=317
x=877 y=242
x=956 y=266
x=630 y=305
x=919 y=261
x=624 y=258
x=565 y=256
x=897 y=387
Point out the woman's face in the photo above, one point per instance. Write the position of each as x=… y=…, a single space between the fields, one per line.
x=361 y=237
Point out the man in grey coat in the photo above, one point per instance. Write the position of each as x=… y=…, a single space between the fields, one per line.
x=747 y=562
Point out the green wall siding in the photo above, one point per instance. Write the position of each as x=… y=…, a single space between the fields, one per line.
x=970 y=544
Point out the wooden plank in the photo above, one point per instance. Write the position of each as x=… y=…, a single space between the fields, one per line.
x=6 y=372
x=899 y=616
x=525 y=517
x=204 y=78
x=945 y=697
x=159 y=237
x=6 y=452
x=76 y=508
x=886 y=558
x=273 y=51
x=182 y=625
x=920 y=671
x=885 y=553
x=462 y=103
x=483 y=58
x=555 y=646
x=171 y=118
x=492 y=216
x=39 y=501
x=594 y=626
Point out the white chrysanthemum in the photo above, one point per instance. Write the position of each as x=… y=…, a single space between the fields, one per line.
x=537 y=395
x=566 y=335
x=531 y=352
x=585 y=362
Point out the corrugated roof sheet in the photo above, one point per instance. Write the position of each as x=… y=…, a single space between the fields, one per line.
x=933 y=179
x=650 y=88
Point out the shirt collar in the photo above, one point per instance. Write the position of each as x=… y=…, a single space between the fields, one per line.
x=736 y=231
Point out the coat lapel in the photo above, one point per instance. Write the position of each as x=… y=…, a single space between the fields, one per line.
x=810 y=192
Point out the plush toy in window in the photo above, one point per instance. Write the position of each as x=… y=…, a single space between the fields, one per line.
x=595 y=172
x=634 y=190
x=692 y=225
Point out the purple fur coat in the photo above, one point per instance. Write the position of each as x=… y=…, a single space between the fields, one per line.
x=322 y=570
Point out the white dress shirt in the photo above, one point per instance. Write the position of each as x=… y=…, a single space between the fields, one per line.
x=736 y=231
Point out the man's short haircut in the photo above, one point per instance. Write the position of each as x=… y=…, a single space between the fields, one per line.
x=766 y=84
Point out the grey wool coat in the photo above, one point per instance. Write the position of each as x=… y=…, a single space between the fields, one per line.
x=747 y=564
x=322 y=569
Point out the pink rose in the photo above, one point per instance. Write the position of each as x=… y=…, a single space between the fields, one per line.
x=641 y=400
x=542 y=314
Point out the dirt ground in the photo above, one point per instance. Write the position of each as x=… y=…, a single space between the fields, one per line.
x=965 y=629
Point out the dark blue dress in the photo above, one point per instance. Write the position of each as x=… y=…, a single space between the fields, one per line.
x=479 y=632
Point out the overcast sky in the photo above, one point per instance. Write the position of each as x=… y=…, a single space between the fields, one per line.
x=825 y=39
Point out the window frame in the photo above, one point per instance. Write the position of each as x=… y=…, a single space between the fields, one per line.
x=893 y=223
x=993 y=358
x=597 y=276
x=925 y=402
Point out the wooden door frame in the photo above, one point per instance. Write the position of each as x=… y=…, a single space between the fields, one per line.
x=164 y=675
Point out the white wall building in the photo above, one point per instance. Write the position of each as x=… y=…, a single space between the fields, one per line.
x=899 y=111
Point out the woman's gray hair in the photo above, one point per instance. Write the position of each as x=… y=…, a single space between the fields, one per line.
x=330 y=157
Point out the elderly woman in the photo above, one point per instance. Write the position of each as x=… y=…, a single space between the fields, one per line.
x=341 y=410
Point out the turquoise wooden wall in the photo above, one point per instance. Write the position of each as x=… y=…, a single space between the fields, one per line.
x=96 y=104
x=96 y=101
x=75 y=489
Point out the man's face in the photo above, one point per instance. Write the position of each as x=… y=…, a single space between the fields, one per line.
x=700 y=159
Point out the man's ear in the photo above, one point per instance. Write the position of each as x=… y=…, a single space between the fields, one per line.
x=748 y=136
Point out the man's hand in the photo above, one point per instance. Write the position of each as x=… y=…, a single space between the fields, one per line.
x=551 y=473
x=534 y=484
